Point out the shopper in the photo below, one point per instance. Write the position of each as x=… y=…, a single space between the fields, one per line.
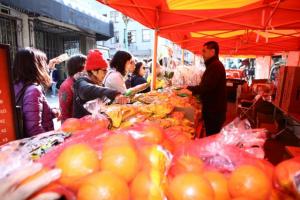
x=54 y=77
x=160 y=82
x=87 y=87
x=31 y=79
x=138 y=76
x=65 y=94
x=212 y=89
x=129 y=76
x=120 y=64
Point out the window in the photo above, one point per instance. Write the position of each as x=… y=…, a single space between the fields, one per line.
x=114 y=16
x=131 y=37
x=116 y=38
x=146 y=35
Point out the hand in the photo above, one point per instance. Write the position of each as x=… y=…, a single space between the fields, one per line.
x=53 y=62
x=120 y=99
x=11 y=189
x=56 y=112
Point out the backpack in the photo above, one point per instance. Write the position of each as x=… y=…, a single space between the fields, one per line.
x=19 y=112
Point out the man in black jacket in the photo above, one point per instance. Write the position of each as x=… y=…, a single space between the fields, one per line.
x=212 y=89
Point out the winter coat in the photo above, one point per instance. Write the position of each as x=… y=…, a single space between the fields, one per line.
x=138 y=80
x=65 y=97
x=37 y=114
x=212 y=89
x=85 y=90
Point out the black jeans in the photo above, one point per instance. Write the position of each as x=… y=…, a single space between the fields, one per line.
x=213 y=122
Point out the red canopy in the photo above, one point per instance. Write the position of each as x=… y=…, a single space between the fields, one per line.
x=259 y=27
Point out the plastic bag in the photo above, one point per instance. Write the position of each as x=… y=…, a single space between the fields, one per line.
x=239 y=133
x=16 y=154
x=236 y=144
x=187 y=75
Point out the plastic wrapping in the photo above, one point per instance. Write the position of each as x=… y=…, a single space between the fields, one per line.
x=187 y=75
x=234 y=146
x=19 y=153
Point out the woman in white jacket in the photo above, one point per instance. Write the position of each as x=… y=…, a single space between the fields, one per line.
x=115 y=77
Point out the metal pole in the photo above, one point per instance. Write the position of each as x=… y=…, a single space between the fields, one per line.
x=182 y=56
x=154 y=60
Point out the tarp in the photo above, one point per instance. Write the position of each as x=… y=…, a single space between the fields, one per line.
x=260 y=27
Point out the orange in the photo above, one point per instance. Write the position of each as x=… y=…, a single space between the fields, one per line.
x=251 y=182
x=117 y=140
x=122 y=161
x=168 y=145
x=77 y=161
x=152 y=134
x=186 y=163
x=266 y=166
x=89 y=121
x=71 y=125
x=188 y=186
x=145 y=187
x=103 y=185
x=219 y=183
x=277 y=195
x=153 y=157
x=284 y=175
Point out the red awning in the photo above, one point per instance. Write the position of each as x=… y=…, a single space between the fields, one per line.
x=260 y=27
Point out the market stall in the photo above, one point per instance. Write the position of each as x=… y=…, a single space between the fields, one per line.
x=145 y=150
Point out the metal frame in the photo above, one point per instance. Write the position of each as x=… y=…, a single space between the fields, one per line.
x=169 y=30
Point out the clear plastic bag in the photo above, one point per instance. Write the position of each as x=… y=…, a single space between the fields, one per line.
x=187 y=75
x=235 y=145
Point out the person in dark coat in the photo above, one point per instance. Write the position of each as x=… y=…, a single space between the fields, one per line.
x=87 y=87
x=212 y=89
x=138 y=76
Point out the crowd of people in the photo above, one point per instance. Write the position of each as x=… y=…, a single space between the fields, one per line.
x=91 y=77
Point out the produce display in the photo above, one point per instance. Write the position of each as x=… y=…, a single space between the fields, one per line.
x=144 y=151
x=164 y=107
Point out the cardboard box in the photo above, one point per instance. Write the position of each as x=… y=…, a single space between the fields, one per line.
x=291 y=94
x=280 y=86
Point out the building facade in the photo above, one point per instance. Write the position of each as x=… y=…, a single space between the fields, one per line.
x=128 y=35
x=53 y=26
x=39 y=24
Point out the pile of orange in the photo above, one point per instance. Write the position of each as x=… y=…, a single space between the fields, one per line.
x=127 y=168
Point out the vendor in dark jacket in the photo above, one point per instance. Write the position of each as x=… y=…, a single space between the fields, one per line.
x=212 y=89
x=138 y=76
x=87 y=87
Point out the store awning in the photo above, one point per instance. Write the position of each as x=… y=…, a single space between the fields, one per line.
x=259 y=27
x=64 y=11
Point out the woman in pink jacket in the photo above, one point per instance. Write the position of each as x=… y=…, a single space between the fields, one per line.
x=30 y=73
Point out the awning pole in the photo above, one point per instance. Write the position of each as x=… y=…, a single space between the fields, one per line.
x=154 y=60
x=182 y=56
